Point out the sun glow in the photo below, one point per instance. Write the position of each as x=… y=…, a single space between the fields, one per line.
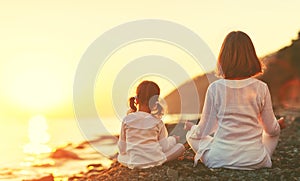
x=38 y=136
x=36 y=89
x=35 y=81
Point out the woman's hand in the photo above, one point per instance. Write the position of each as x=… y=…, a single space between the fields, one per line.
x=281 y=123
x=188 y=125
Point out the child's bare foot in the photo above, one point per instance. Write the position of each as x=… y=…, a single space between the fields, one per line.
x=177 y=138
x=281 y=123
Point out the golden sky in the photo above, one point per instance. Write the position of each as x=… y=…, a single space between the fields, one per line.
x=42 y=41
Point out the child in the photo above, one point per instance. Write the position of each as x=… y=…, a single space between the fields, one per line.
x=144 y=140
x=238 y=111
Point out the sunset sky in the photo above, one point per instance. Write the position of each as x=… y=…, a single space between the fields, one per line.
x=42 y=41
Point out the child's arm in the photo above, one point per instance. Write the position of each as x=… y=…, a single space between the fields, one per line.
x=122 y=140
x=165 y=141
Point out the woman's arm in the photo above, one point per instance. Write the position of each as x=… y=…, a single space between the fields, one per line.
x=208 y=121
x=267 y=117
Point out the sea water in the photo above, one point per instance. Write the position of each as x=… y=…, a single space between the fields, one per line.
x=16 y=164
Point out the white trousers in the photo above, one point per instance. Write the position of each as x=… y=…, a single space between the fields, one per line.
x=269 y=142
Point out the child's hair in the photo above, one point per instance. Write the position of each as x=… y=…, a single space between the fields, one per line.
x=237 y=58
x=147 y=93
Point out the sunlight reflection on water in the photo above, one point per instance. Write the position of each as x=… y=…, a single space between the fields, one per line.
x=38 y=136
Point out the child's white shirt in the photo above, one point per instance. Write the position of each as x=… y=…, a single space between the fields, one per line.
x=143 y=141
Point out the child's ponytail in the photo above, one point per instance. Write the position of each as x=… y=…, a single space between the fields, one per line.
x=132 y=104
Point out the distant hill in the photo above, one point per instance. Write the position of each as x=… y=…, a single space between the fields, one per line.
x=282 y=74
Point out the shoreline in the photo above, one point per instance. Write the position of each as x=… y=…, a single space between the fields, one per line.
x=286 y=163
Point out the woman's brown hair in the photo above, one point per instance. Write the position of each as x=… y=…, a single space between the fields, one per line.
x=237 y=57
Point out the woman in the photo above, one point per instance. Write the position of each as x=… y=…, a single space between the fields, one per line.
x=238 y=111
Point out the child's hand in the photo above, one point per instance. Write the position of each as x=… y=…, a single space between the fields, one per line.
x=188 y=125
x=281 y=123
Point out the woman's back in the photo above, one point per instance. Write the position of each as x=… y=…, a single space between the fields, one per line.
x=239 y=103
x=238 y=137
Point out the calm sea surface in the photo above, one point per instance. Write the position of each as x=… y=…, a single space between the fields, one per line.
x=15 y=164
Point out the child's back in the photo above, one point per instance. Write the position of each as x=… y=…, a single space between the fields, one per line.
x=144 y=140
x=143 y=149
